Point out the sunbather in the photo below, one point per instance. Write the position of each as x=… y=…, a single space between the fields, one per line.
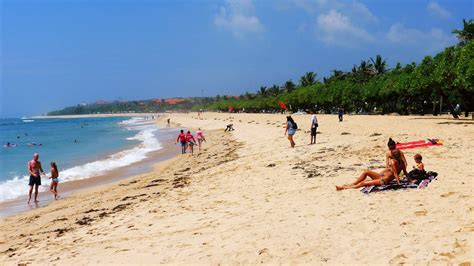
x=378 y=179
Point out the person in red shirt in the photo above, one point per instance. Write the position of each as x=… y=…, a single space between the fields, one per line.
x=182 y=139
x=190 y=141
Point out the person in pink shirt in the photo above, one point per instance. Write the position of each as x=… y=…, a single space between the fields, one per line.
x=182 y=140
x=190 y=141
x=200 y=138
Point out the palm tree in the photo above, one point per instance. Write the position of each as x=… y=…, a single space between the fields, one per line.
x=308 y=79
x=467 y=33
x=274 y=90
x=379 y=64
x=263 y=91
x=289 y=86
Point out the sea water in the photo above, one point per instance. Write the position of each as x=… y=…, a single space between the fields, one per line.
x=81 y=147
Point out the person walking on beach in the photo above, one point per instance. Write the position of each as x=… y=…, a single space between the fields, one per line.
x=340 y=114
x=314 y=127
x=168 y=121
x=182 y=140
x=200 y=138
x=190 y=141
x=54 y=180
x=34 y=168
x=291 y=130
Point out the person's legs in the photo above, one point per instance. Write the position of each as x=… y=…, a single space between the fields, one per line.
x=367 y=173
x=36 y=192
x=292 y=143
x=29 y=193
x=56 y=195
x=375 y=182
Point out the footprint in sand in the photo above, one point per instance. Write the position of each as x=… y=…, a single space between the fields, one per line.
x=421 y=213
x=447 y=194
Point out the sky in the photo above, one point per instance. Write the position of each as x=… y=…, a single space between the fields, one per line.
x=59 y=53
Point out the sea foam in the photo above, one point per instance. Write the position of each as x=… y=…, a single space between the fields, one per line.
x=18 y=186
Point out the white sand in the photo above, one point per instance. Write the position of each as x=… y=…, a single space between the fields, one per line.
x=231 y=207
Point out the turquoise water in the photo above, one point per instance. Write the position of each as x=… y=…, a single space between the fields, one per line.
x=82 y=147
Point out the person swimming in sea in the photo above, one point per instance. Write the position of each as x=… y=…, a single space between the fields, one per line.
x=54 y=180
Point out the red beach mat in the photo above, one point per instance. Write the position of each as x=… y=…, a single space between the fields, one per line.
x=419 y=143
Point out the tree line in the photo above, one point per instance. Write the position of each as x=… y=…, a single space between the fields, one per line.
x=444 y=82
x=434 y=85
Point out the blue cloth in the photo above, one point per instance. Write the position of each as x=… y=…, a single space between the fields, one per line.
x=291 y=130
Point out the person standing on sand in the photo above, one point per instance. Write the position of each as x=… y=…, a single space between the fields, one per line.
x=200 y=137
x=314 y=127
x=182 y=140
x=168 y=121
x=54 y=180
x=190 y=141
x=291 y=130
x=340 y=114
x=34 y=168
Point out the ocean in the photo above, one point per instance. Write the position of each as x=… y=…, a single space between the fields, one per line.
x=81 y=147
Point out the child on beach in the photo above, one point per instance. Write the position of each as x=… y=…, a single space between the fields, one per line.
x=418 y=173
x=190 y=141
x=54 y=180
x=182 y=140
x=200 y=138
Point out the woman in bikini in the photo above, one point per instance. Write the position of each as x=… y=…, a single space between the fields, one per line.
x=395 y=163
x=54 y=180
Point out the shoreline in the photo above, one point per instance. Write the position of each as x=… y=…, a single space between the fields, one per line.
x=18 y=205
x=97 y=115
x=248 y=198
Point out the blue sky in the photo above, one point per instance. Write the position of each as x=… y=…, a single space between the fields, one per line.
x=63 y=52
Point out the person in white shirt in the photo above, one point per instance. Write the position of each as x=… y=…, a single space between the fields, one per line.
x=314 y=127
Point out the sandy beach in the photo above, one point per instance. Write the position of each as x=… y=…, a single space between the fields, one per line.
x=248 y=198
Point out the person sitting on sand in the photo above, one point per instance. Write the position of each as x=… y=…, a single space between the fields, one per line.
x=190 y=141
x=54 y=180
x=290 y=129
x=395 y=163
x=395 y=160
x=418 y=173
x=200 y=137
x=182 y=140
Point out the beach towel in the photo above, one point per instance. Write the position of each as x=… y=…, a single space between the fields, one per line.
x=405 y=184
x=419 y=143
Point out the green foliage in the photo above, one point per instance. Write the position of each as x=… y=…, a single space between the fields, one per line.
x=447 y=77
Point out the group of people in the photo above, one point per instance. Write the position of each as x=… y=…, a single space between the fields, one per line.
x=291 y=128
x=187 y=140
x=34 y=169
x=394 y=166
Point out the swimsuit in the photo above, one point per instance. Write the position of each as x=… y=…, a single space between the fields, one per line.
x=55 y=180
x=35 y=180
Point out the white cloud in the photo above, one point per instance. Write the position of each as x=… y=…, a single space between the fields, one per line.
x=432 y=40
x=362 y=11
x=336 y=28
x=437 y=10
x=238 y=17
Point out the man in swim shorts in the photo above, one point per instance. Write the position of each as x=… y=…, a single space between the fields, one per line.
x=314 y=127
x=182 y=140
x=34 y=168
